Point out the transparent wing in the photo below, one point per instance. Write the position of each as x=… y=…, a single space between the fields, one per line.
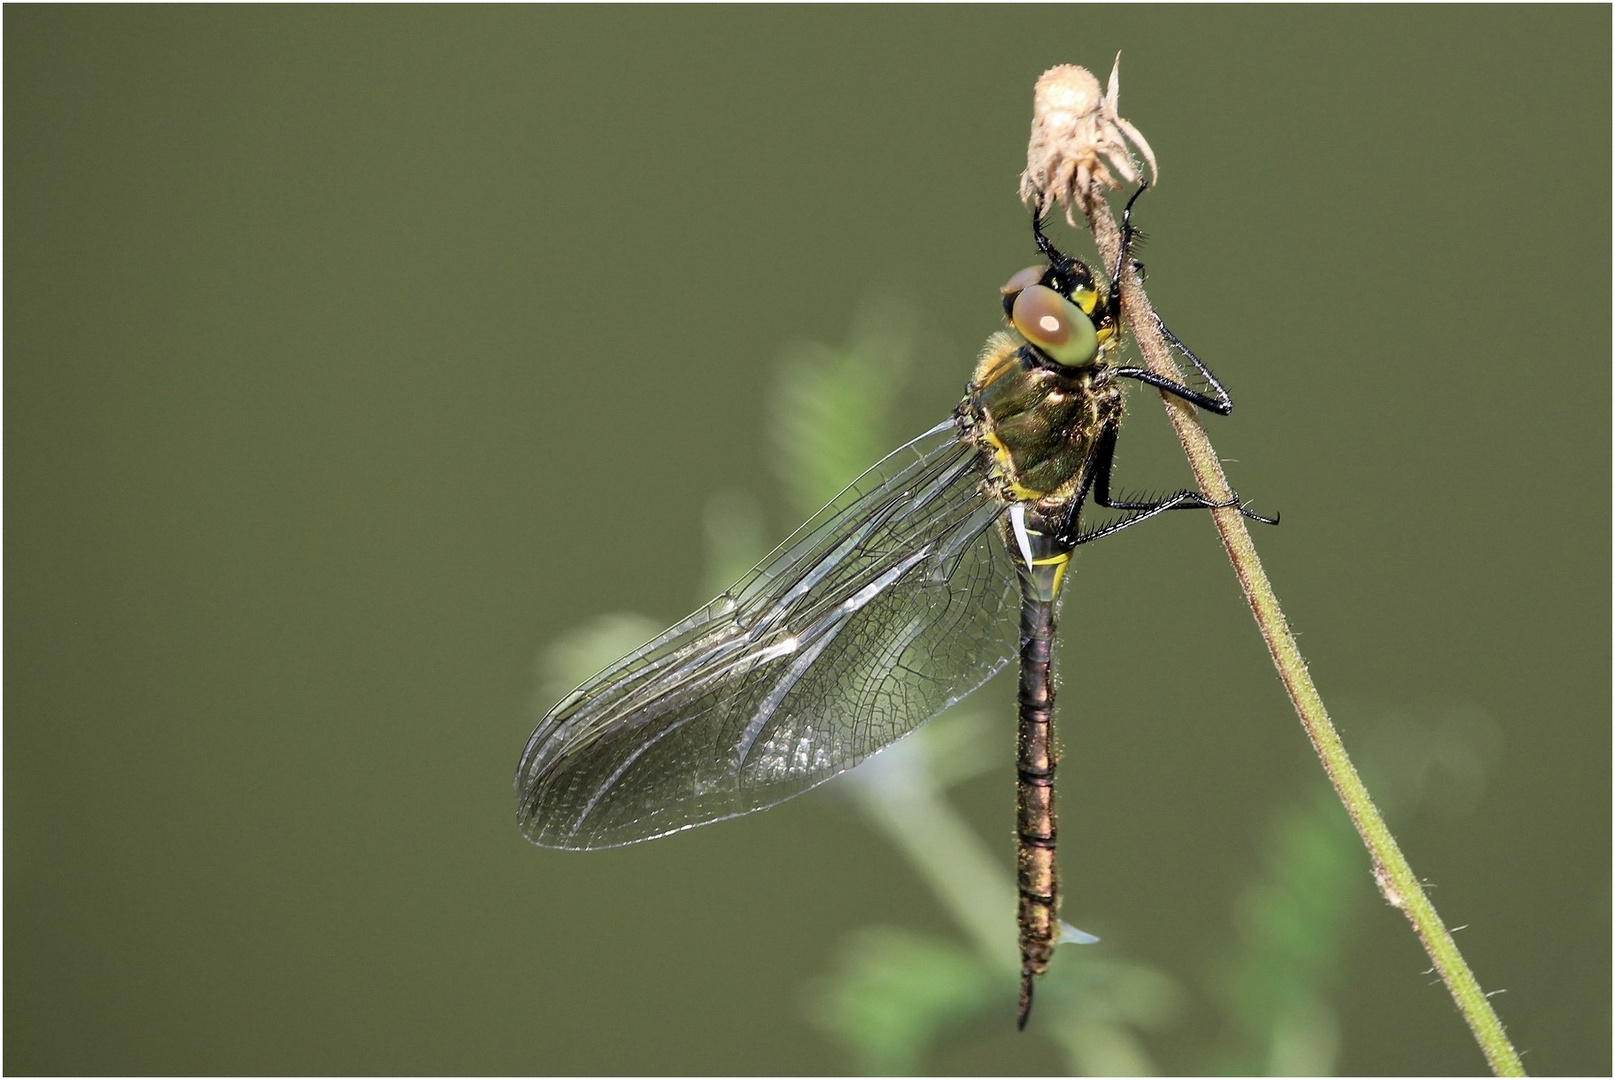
x=880 y=612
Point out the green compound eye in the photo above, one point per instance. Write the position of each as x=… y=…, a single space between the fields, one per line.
x=1055 y=325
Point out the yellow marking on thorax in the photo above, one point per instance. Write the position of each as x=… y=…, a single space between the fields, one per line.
x=1005 y=463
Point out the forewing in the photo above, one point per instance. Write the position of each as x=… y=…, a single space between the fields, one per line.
x=881 y=611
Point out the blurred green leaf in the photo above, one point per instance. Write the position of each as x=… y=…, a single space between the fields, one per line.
x=1096 y=1005
x=1294 y=921
x=735 y=541
x=893 y=994
x=832 y=412
x=581 y=652
x=1291 y=926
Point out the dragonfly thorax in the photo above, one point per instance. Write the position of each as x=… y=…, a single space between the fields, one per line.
x=1038 y=421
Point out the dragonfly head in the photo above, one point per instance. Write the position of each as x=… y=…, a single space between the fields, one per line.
x=1058 y=307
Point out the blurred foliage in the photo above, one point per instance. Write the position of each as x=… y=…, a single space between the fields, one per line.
x=1290 y=925
x=892 y=997
x=893 y=994
x=832 y=410
x=570 y=660
x=1294 y=920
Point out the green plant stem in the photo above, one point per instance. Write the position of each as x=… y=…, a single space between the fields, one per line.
x=1392 y=873
x=902 y=799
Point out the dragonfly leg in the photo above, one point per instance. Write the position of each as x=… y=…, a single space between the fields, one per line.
x=1113 y=301
x=1218 y=400
x=1098 y=480
x=1224 y=404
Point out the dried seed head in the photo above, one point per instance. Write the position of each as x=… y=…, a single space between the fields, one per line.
x=1076 y=132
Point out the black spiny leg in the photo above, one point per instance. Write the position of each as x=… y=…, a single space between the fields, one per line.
x=1218 y=400
x=1114 y=300
x=1057 y=258
x=1220 y=403
x=1097 y=480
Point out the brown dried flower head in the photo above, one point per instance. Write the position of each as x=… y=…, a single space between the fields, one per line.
x=1076 y=133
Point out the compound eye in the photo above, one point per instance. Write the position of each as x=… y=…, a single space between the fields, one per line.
x=1032 y=275
x=1055 y=325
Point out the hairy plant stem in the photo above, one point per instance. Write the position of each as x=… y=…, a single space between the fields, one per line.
x=1392 y=873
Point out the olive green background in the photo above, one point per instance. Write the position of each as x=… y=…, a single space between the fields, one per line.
x=351 y=355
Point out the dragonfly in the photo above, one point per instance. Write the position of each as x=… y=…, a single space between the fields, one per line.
x=912 y=588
